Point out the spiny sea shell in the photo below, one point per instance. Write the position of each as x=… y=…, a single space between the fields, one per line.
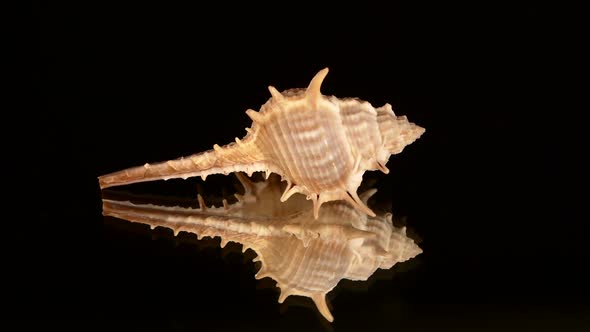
x=304 y=256
x=320 y=145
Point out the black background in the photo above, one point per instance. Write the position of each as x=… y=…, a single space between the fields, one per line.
x=488 y=189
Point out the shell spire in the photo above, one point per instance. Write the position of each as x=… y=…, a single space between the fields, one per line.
x=320 y=145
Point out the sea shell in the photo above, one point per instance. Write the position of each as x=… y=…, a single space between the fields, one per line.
x=304 y=256
x=320 y=145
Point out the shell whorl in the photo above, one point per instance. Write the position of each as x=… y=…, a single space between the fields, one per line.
x=320 y=145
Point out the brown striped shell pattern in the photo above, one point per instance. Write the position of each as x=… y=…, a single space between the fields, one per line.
x=321 y=145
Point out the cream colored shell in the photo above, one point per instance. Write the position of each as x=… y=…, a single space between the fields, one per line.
x=306 y=257
x=321 y=145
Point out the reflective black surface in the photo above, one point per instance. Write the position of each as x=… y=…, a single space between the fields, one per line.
x=488 y=188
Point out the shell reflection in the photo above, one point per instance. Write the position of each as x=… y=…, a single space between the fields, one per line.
x=305 y=256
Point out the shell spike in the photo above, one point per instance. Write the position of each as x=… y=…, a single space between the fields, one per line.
x=246 y=182
x=382 y=167
x=201 y=201
x=313 y=92
x=316 y=206
x=223 y=243
x=357 y=162
x=288 y=188
x=255 y=116
x=320 y=302
x=275 y=93
x=290 y=191
x=317 y=203
x=365 y=196
x=285 y=293
x=352 y=198
x=262 y=273
x=176 y=230
x=389 y=217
